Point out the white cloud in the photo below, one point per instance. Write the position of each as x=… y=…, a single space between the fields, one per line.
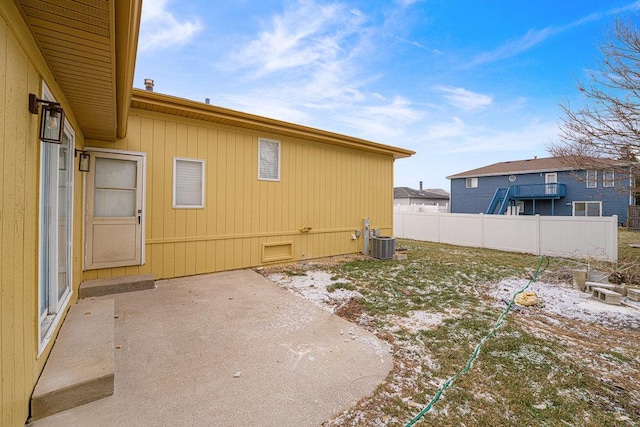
x=453 y=128
x=514 y=47
x=309 y=59
x=270 y=106
x=159 y=28
x=465 y=99
x=308 y=34
x=380 y=122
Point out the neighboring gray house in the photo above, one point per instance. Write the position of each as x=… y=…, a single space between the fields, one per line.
x=545 y=186
x=430 y=196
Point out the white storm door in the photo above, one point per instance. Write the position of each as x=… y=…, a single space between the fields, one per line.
x=113 y=214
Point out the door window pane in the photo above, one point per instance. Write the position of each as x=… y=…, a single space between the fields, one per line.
x=115 y=173
x=593 y=209
x=115 y=188
x=64 y=200
x=56 y=179
x=114 y=203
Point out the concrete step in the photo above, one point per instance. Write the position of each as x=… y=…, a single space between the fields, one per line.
x=81 y=366
x=116 y=285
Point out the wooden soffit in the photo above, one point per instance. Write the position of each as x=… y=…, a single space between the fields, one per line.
x=90 y=47
x=165 y=104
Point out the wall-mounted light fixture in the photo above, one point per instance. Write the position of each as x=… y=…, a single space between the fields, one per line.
x=83 y=164
x=51 y=119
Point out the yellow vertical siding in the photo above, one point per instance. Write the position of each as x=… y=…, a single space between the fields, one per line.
x=21 y=71
x=18 y=220
x=329 y=188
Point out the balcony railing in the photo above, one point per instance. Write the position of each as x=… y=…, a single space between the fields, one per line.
x=538 y=191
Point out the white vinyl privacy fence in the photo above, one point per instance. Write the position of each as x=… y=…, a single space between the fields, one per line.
x=574 y=237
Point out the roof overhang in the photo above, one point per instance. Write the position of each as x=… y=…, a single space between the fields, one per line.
x=160 y=103
x=90 y=47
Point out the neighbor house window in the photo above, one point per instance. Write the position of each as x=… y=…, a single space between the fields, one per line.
x=188 y=183
x=587 y=208
x=472 y=182
x=608 y=178
x=592 y=179
x=268 y=160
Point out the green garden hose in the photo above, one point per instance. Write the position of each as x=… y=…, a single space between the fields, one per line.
x=543 y=260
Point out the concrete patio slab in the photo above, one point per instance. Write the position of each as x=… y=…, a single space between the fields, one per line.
x=230 y=349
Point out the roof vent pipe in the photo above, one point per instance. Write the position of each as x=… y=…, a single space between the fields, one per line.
x=148 y=84
x=206 y=101
x=420 y=185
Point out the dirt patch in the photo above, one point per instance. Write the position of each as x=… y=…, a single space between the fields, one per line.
x=351 y=310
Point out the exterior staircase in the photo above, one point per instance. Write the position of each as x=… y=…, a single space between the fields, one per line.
x=500 y=201
x=504 y=196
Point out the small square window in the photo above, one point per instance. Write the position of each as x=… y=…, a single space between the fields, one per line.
x=268 y=160
x=188 y=183
x=608 y=178
x=472 y=182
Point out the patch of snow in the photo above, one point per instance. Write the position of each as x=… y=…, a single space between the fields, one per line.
x=313 y=287
x=568 y=302
x=418 y=320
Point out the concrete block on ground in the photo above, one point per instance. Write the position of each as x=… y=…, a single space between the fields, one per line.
x=81 y=366
x=399 y=256
x=591 y=285
x=116 y=285
x=633 y=294
x=607 y=296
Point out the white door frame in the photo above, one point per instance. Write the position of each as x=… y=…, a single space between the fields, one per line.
x=85 y=199
x=50 y=244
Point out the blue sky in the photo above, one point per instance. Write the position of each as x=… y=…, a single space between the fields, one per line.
x=463 y=83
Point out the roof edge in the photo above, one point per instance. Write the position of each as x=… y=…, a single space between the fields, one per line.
x=519 y=172
x=246 y=120
x=128 y=13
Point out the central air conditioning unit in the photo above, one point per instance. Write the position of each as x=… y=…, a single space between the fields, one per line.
x=383 y=247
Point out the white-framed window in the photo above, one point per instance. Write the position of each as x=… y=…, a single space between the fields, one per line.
x=587 y=208
x=188 y=183
x=268 y=160
x=608 y=178
x=592 y=179
x=472 y=182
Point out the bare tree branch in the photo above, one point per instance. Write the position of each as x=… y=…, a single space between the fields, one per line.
x=605 y=131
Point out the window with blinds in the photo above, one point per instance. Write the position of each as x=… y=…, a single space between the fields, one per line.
x=268 y=160
x=188 y=183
